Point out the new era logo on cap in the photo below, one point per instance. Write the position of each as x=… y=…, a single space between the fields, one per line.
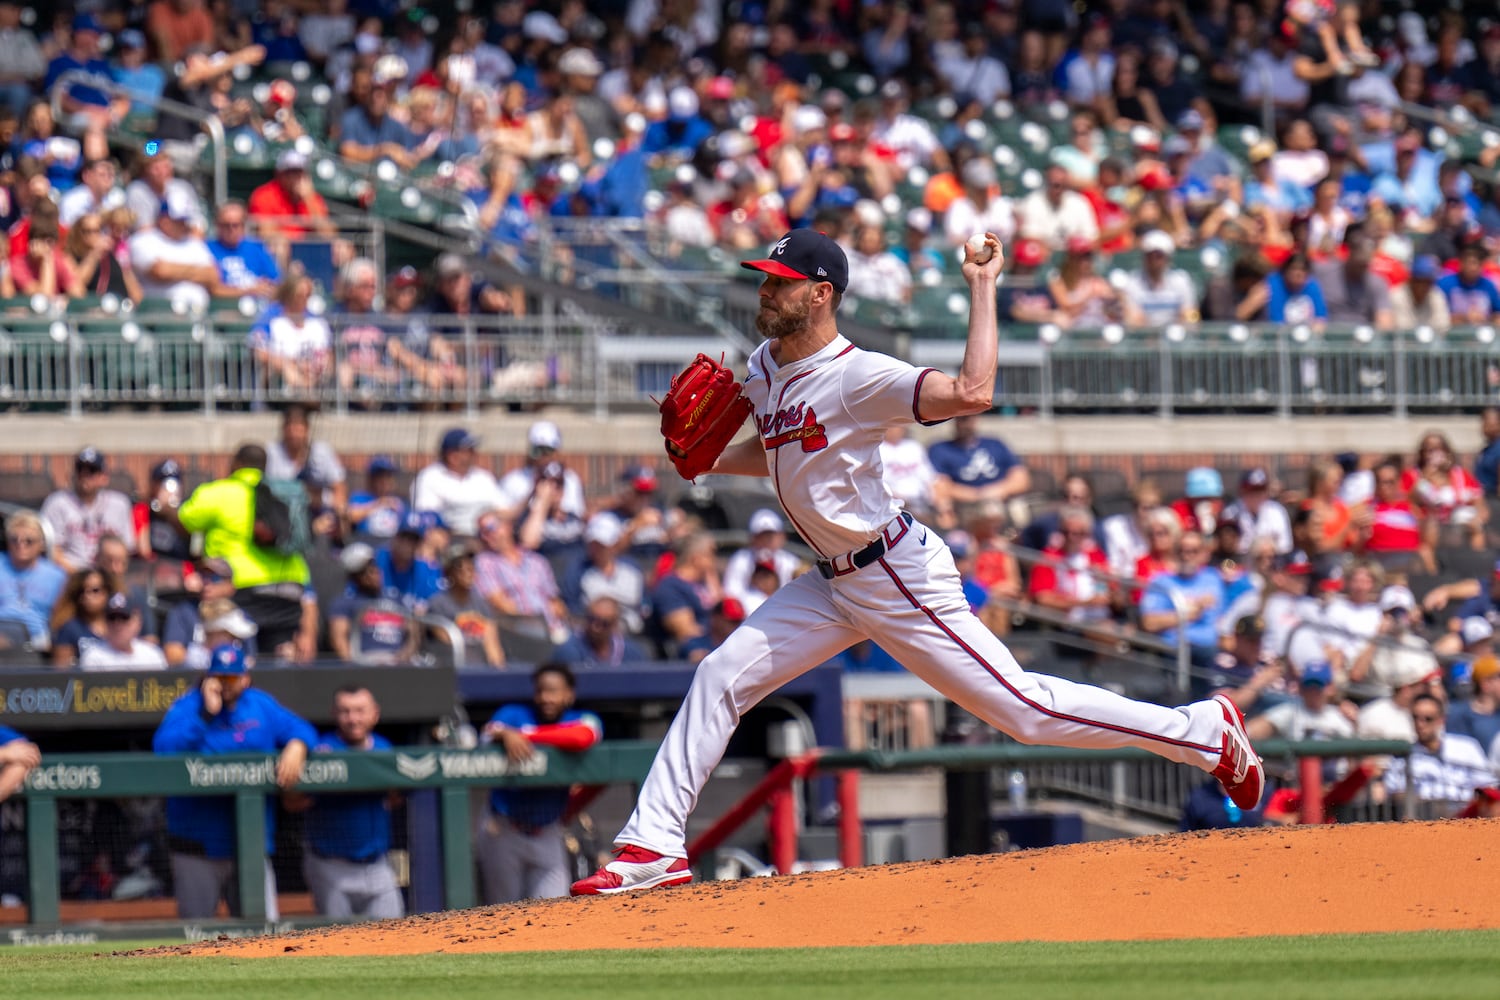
x=805 y=254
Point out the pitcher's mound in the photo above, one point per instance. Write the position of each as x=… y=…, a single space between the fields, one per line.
x=1303 y=880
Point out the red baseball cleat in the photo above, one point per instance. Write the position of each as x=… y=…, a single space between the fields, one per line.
x=1239 y=769
x=634 y=868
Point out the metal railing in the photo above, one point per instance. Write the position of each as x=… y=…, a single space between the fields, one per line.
x=217 y=143
x=1217 y=368
x=205 y=360
x=1179 y=652
x=625 y=258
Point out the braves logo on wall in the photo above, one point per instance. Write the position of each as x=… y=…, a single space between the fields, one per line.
x=790 y=424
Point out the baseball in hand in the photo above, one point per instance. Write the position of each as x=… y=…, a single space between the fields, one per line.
x=980 y=250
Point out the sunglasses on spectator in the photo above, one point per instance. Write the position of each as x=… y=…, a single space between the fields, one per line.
x=23 y=539
x=603 y=622
x=1426 y=717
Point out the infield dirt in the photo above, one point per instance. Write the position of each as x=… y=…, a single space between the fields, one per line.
x=1238 y=883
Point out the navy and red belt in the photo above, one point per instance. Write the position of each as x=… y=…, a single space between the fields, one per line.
x=849 y=562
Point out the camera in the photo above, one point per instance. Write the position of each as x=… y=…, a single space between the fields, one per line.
x=552 y=471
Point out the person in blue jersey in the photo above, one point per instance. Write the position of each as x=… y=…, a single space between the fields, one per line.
x=404 y=570
x=18 y=756
x=348 y=836
x=520 y=847
x=225 y=715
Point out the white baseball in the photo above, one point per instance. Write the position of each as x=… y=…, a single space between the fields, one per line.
x=980 y=250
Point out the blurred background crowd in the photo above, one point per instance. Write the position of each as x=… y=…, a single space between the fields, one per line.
x=1149 y=162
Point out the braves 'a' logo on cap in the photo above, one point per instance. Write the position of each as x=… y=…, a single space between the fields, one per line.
x=780 y=247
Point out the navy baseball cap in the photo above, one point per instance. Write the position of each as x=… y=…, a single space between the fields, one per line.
x=119 y=606
x=805 y=254
x=381 y=463
x=227 y=658
x=413 y=524
x=166 y=469
x=457 y=439
x=89 y=458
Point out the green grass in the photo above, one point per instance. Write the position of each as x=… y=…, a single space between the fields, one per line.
x=1349 y=967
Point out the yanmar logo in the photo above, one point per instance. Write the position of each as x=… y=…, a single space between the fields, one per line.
x=418 y=768
x=792 y=424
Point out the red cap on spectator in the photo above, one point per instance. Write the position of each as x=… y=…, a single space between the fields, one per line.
x=720 y=88
x=283 y=93
x=732 y=609
x=842 y=133
x=1155 y=177
x=1030 y=253
x=1080 y=244
x=407 y=277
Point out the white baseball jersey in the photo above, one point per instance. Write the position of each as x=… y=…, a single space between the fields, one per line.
x=835 y=405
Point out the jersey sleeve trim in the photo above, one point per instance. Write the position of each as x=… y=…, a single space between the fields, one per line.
x=916 y=398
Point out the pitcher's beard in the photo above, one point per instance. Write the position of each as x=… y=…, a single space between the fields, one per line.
x=787 y=322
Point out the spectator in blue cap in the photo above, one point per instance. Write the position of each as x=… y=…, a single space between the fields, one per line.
x=454 y=487
x=93 y=106
x=1420 y=302
x=413 y=578
x=1200 y=510
x=143 y=79
x=378 y=509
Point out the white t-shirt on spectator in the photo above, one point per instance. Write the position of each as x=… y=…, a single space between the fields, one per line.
x=1054 y=226
x=149 y=246
x=908 y=473
x=1271 y=521
x=1304 y=168
x=458 y=501
x=965 y=218
x=80 y=201
x=145 y=204
x=1383 y=719
x=741 y=566
x=1450 y=775
x=1164 y=303
x=1358 y=624
x=912 y=138
x=984 y=79
x=286 y=338
x=879 y=277
x=1293 y=720
x=102 y=656
x=1123 y=543
x=77 y=528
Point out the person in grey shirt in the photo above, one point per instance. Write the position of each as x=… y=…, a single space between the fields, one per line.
x=1353 y=293
x=1159 y=294
x=80 y=516
x=22 y=64
x=296 y=450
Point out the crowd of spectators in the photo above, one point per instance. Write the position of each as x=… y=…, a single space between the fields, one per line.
x=1374 y=568
x=889 y=125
